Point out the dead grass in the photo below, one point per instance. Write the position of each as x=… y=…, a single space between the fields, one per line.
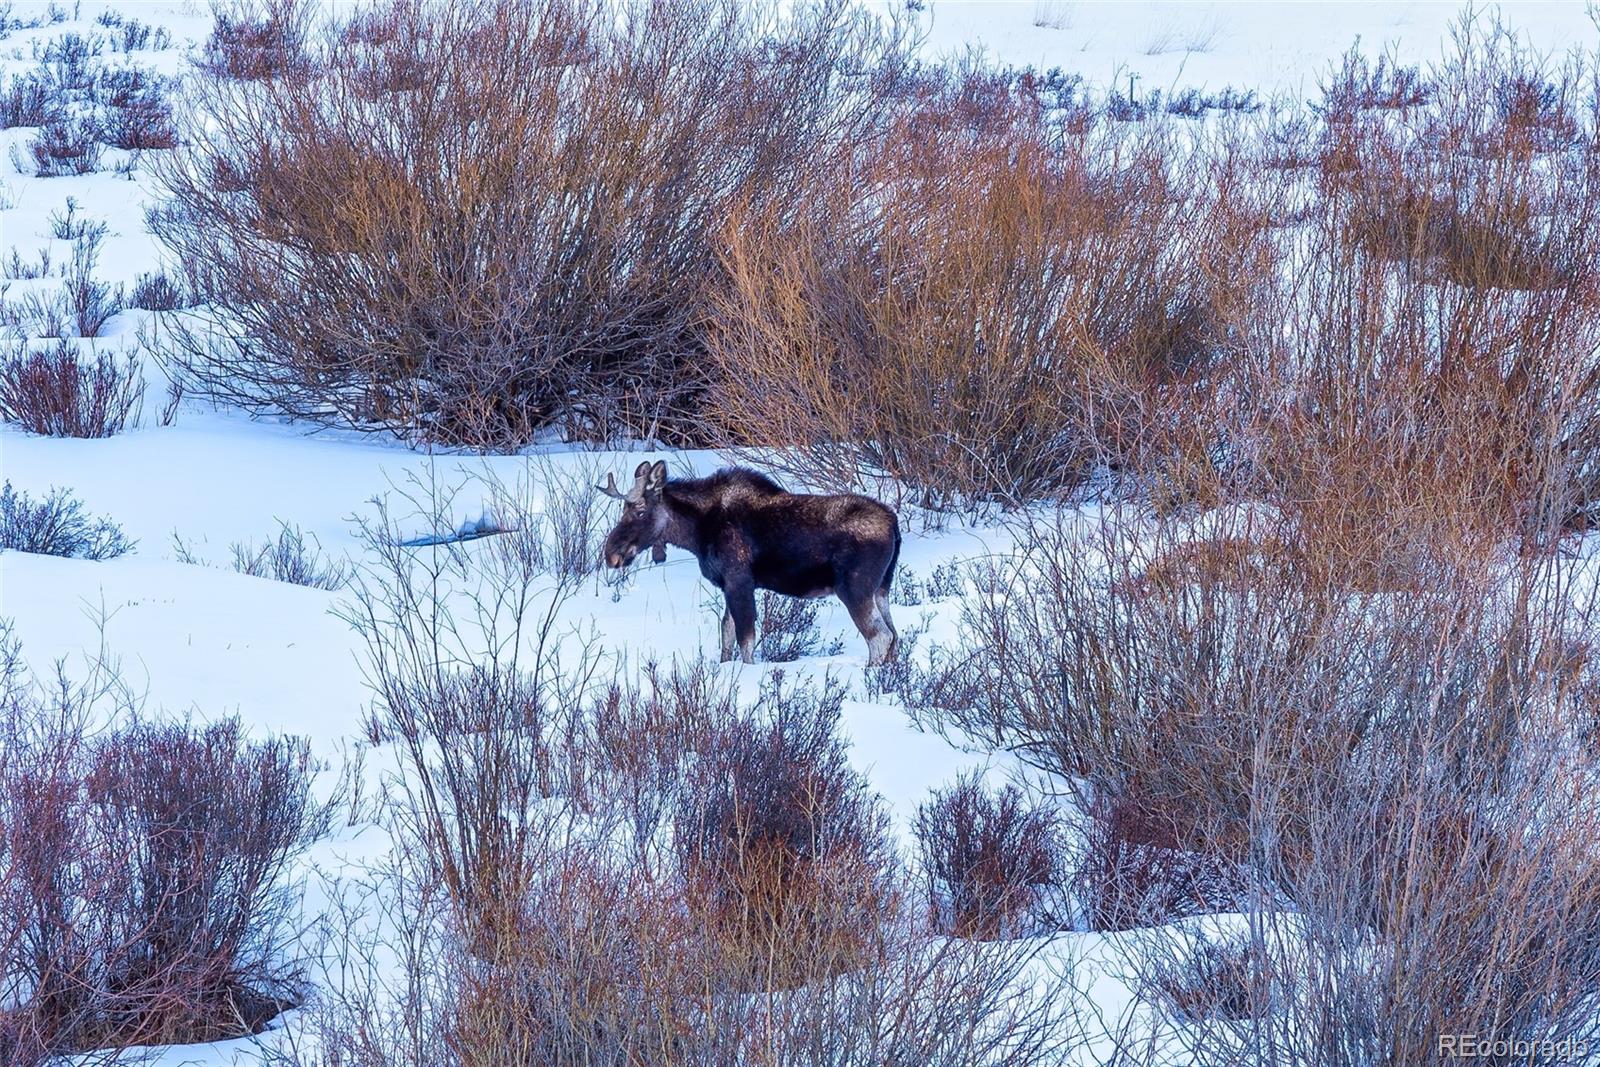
x=1053 y=14
x=289 y=557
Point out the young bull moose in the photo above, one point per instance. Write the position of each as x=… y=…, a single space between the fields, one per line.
x=749 y=534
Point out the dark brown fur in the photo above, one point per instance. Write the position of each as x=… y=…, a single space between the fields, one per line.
x=748 y=533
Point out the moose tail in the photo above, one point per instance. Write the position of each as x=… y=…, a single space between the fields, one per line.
x=894 y=557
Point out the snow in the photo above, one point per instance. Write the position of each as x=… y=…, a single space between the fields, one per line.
x=206 y=641
x=1278 y=50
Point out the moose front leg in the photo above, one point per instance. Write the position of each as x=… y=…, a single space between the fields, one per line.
x=740 y=619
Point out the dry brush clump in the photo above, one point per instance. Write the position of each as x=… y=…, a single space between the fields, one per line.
x=1211 y=981
x=54 y=391
x=137 y=109
x=28 y=100
x=208 y=824
x=253 y=41
x=574 y=516
x=1361 y=85
x=66 y=145
x=470 y=700
x=131 y=35
x=989 y=858
x=1391 y=784
x=994 y=303
x=1445 y=881
x=1436 y=366
x=288 y=557
x=1166 y=647
x=788 y=629
x=157 y=292
x=783 y=848
x=57 y=526
x=1005 y=296
x=476 y=223
x=1132 y=869
x=145 y=871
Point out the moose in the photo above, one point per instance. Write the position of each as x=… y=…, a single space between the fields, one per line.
x=748 y=533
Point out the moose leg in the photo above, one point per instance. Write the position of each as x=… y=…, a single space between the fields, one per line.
x=741 y=599
x=727 y=634
x=880 y=636
x=880 y=600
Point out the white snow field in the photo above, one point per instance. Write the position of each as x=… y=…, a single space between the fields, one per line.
x=206 y=641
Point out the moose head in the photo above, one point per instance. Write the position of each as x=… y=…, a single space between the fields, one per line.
x=644 y=515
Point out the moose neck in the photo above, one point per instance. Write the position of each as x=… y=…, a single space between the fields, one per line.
x=683 y=522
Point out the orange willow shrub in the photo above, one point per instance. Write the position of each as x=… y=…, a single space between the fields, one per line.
x=999 y=299
x=470 y=223
x=1441 y=328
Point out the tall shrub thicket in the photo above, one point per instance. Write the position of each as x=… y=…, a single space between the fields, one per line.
x=1007 y=295
x=1365 y=704
x=1393 y=785
x=475 y=223
x=1437 y=358
x=1027 y=293
x=711 y=222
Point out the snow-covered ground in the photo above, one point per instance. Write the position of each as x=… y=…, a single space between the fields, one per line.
x=1278 y=50
x=208 y=641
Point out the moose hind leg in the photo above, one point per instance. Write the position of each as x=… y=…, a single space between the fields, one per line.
x=880 y=636
x=742 y=610
x=880 y=600
x=727 y=634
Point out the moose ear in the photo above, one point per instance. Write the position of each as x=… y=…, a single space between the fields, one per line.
x=658 y=475
x=640 y=471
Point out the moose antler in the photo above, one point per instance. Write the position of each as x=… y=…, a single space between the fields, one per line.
x=610 y=488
